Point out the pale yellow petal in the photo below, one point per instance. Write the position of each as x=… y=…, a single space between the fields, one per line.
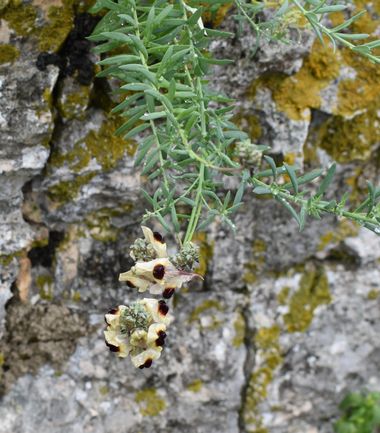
x=156 y=240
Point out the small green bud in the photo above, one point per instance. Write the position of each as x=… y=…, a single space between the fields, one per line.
x=134 y=317
x=187 y=258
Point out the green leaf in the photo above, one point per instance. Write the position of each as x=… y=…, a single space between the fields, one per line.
x=272 y=165
x=326 y=181
x=262 y=190
x=118 y=37
x=289 y=208
x=137 y=130
x=293 y=177
x=143 y=149
x=153 y=116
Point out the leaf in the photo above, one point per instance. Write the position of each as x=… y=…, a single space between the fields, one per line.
x=137 y=130
x=289 y=208
x=262 y=190
x=144 y=148
x=326 y=181
x=272 y=165
x=293 y=177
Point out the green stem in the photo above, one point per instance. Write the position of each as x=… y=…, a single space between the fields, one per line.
x=197 y=209
x=333 y=35
x=321 y=206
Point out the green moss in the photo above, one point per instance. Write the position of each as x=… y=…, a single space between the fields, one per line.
x=100 y=222
x=152 y=403
x=6 y=259
x=313 y=291
x=295 y=94
x=76 y=296
x=20 y=17
x=373 y=295
x=282 y=297
x=45 y=284
x=268 y=348
x=104 y=390
x=101 y=145
x=60 y=22
x=8 y=53
x=66 y=191
x=195 y=386
x=239 y=326
x=73 y=105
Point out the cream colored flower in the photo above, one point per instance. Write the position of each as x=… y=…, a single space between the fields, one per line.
x=138 y=330
x=156 y=240
x=157 y=276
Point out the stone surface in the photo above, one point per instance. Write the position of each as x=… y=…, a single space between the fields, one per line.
x=284 y=324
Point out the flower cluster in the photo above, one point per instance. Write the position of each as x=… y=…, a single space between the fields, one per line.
x=139 y=330
x=153 y=270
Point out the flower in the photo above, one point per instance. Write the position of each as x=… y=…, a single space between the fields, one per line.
x=152 y=247
x=138 y=330
x=158 y=275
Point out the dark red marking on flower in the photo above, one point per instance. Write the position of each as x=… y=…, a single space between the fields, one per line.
x=168 y=292
x=146 y=364
x=112 y=348
x=130 y=284
x=158 y=237
x=113 y=310
x=105 y=319
x=161 y=338
x=159 y=272
x=162 y=307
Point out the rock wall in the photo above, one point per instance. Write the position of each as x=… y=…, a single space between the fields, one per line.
x=285 y=323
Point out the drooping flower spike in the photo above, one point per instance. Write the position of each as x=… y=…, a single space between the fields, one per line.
x=138 y=330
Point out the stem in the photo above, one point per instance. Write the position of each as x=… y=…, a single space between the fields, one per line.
x=333 y=35
x=197 y=209
x=321 y=206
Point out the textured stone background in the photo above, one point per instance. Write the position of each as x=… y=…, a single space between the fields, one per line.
x=285 y=323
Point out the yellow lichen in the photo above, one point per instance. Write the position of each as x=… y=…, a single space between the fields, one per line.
x=20 y=17
x=195 y=386
x=239 y=326
x=356 y=94
x=100 y=222
x=214 y=15
x=45 y=284
x=73 y=105
x=8 y=53
x=344 y=230
x=65 y=191
x=151 y=404
x=206 y=251
x=373 y=295
x=312 y=292
x=206 y=306
x=254 y=267
x=250 y=124
x=102 y=145
x=59 y=24
x=269 y=351
x=296 y=94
